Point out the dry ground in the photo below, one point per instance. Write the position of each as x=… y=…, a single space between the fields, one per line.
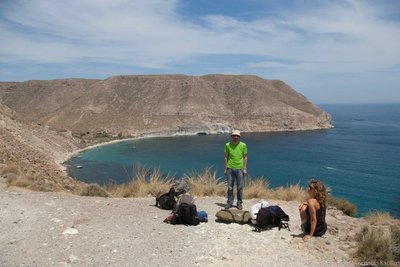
x=47 y=228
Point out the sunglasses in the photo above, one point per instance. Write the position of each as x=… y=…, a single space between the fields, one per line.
x=235 y=135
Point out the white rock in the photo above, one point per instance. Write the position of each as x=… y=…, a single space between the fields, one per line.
x=72 y=259
x=70 y=231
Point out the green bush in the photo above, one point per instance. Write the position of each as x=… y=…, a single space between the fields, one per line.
x=102 y=134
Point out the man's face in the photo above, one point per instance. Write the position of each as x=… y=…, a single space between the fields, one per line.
x=235 y=138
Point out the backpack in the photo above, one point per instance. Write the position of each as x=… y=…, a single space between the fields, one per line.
x=272 y=216
x=188 y=199
x=203 y=216
x=167 y=200
x=255 y=208
x=186 y=214
x=233 y=215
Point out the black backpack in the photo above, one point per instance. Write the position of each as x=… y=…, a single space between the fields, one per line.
x=272 y=216
x=186 y=214
x=167 y=200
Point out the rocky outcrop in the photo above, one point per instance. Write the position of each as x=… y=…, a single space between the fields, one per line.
x=134 y=105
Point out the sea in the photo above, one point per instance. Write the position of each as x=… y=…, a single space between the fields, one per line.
x=358 y=159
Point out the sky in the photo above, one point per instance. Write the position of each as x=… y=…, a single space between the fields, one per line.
x=338 y=51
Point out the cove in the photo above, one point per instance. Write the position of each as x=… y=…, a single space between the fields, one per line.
x=358 y=159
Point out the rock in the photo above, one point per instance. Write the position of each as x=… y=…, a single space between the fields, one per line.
x=70 y=231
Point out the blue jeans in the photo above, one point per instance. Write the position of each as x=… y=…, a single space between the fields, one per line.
x=233 y=175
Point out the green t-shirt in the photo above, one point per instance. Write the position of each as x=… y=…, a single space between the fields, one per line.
x=235 y=153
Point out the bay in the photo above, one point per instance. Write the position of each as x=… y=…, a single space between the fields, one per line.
x=359 y=159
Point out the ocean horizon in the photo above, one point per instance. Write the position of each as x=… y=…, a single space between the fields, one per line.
x=358 y=160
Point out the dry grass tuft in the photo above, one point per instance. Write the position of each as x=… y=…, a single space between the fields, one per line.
x=373 y=245
x=15 y=175
x=20 y=181
x=145 y=182
x=206 y=183
x=94 y=190
x=343 y=205
x=23 y=174
x=379 y=218
x=379 y=244
x=292 y=192
x=256 y=188
x=10 y=168
x=395 y=233
x=379 y=241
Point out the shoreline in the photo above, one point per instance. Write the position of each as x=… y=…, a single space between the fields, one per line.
x=68 y=155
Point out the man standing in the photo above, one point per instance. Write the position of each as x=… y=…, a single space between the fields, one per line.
x=235 y=167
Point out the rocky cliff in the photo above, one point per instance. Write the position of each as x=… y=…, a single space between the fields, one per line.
x=134 y=105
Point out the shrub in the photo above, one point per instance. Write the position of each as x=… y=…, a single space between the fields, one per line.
x=373 y=246
x=206 y=183
x=379 y=241
x=378 y=218
x=343 y=205
x=15 y=175
x=144 y=182
x=94 y=190
x=10 y=167
x=102 y=134
x=19 y=180
x=256 y=188
x=395 y=233
x=289 y=193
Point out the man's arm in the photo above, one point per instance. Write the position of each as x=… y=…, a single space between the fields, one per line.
x=245 y=164
x=225 y=162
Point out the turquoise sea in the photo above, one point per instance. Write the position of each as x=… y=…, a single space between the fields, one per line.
x=359 y=159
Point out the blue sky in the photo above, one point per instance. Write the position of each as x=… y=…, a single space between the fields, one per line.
x=344 y=51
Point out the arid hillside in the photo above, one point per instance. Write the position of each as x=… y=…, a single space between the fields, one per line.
x=135 y=105
x=29 y=154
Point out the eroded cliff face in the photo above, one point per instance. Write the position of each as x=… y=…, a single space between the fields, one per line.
x=134 y=105
x=30 y=154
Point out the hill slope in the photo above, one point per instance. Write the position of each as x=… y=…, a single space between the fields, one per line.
x=133 y=105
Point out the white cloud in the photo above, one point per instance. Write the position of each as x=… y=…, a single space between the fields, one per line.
x=347 y=36
x=145 y=33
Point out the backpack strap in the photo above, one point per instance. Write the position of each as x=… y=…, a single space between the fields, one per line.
x=233 y=217
x=284 y=225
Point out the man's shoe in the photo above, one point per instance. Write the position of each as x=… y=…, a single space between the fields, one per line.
x=228 y=206
x=240 y=206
